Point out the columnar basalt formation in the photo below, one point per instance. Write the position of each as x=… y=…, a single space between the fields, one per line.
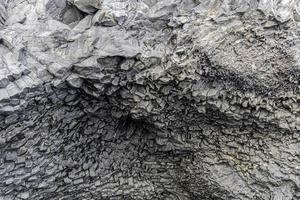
x=148 y=99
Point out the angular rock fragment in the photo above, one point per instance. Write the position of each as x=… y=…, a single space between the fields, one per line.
x=104 y=19
x=88 y=6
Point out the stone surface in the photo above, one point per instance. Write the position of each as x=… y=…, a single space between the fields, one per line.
x=172 y=99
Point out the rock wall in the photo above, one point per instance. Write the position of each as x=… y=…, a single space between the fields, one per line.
x=173 y=99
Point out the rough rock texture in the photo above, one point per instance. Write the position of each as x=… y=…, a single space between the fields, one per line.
x=148 y=99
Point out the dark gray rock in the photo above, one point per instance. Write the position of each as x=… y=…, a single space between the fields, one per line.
x=172 y=99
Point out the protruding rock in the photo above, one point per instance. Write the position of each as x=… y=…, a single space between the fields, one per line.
x=88 y=6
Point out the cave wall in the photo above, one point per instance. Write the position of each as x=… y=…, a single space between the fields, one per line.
x=64 y=144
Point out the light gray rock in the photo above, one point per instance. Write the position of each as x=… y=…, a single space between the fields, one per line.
x=11 y=156
x=88 y=6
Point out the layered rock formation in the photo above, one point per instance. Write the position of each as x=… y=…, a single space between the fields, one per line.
x=123 y=99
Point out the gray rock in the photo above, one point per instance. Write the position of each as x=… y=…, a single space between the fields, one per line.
x=24 y=195
x=172 y=99
x=11 y=156
x=104 y=19
x=11 y=119
x=88 y=6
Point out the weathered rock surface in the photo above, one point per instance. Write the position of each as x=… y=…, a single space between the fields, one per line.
x=172 y=99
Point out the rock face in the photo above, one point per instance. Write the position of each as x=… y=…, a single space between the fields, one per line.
x=148 y=99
